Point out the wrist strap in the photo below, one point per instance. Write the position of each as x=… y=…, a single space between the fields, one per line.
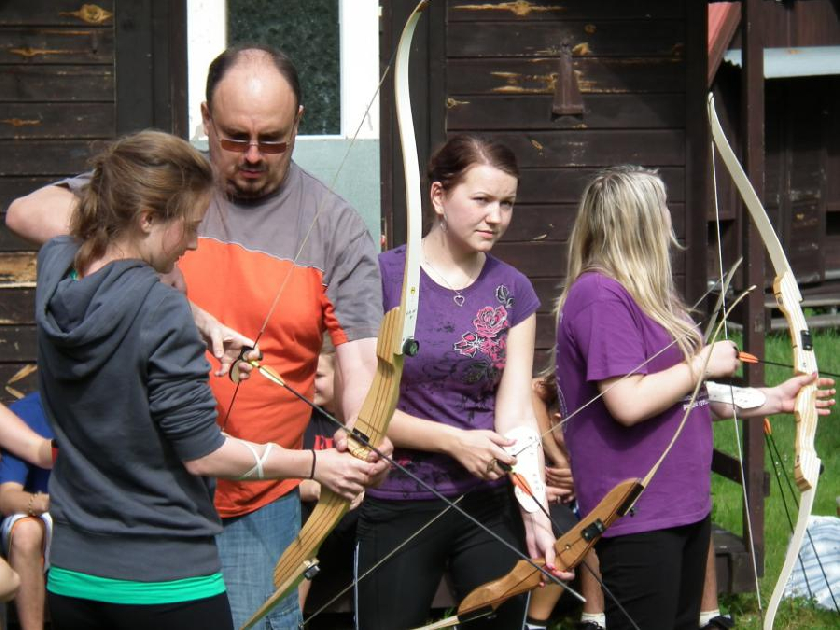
x=314 y=459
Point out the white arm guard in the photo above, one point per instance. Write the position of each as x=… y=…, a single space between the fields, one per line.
x=527 y=452
x=743 y=397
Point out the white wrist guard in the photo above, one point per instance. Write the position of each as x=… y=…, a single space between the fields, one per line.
x=257 y=471
x=742 y=397
x=527 y=452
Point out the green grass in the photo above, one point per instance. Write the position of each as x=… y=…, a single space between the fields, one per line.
x=727 y=495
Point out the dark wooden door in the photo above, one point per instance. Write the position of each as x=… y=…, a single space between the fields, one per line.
x=495 y=69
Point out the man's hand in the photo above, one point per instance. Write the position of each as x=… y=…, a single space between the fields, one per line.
x=225 y=343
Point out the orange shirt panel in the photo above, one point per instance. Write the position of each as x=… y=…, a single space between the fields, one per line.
x=239 y=291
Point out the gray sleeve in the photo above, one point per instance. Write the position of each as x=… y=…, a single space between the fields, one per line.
x=354 y=288
x=180 y=400
x=75 y=184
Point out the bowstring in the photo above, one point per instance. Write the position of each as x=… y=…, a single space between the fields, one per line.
x=361 y=439
x=341 y=426
x=321 y=205
x=380 y=562
x=735 y=425
x=635 y=370
x=774 y=450
x=600 y=394
x=771 y=443
x=713 y=116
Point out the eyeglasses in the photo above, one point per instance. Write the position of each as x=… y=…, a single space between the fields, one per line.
x=243 y=146
x=268 y=147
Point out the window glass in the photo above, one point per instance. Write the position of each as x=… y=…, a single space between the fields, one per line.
x=307 y=31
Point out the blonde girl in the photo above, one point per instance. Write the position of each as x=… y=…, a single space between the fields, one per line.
x=624 y=332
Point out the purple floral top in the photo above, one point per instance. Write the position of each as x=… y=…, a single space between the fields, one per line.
x=455 y=375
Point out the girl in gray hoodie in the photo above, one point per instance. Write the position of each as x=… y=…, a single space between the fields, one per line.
x=124 y=382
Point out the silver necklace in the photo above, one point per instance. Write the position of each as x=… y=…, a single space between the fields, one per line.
x=458 y=298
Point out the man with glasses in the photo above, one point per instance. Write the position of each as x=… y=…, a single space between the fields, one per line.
x=276 y=244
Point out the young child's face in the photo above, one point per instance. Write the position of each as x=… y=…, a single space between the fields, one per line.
x=325 y=381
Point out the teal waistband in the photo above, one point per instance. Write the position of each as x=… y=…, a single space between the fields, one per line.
x=101 y=589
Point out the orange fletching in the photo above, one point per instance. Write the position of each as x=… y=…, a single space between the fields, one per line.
x=520 y=482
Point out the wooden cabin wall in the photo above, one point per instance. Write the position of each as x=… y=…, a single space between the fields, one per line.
x=802 y=149
x=797 y=23
x=640 y=70
x=56 y=96
x=73 y=74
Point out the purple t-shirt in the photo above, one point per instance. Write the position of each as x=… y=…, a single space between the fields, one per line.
x=602 y=334
x=454 y=377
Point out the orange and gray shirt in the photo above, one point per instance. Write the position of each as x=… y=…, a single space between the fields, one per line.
x=309 y=245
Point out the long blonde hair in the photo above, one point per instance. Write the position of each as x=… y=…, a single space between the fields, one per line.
x=622 y=230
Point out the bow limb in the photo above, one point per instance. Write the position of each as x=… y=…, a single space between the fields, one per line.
x=395 y=340
x=788 y=298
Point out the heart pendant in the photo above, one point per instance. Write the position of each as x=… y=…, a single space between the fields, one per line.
x=458 y=299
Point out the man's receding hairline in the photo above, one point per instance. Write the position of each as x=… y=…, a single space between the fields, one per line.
x=255 y=60
x=254 y=56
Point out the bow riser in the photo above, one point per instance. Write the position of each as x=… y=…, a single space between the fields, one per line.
x=395 y=339
x=571 y=548
x=807 y=466
x=384 y=392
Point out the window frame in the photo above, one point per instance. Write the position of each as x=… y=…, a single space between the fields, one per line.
x=358 y=63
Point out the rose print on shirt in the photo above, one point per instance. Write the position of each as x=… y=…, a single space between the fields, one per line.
x=487 y=343
x=495 y=350
x=490 y=321
x=470 y=344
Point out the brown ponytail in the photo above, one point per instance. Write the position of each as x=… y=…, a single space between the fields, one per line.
x=148 y=171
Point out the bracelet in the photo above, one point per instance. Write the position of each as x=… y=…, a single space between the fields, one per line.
x=314 y=459
x=29 y=510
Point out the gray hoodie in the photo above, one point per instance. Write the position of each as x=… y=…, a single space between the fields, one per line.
x=124 y=384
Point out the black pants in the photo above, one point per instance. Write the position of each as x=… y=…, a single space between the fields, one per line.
x=71 y=613
x=398 y=594
x=656 y=576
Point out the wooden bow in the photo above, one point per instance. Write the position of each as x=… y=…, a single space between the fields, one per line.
x=395 y=340
x=571 y=548
x=788 y=298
